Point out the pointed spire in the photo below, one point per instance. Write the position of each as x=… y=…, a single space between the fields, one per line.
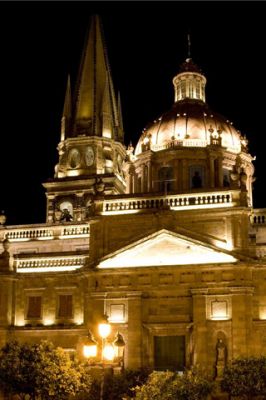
x=94 y=86
x=106 y=112
x=66 y=116
x=120 y=115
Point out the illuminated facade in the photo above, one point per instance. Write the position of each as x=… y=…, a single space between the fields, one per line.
x=162 y=238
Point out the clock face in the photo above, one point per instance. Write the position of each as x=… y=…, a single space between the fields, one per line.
x=74 y=158
x=89 y=156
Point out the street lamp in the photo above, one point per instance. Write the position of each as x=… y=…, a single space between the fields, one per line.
x=90 y=348
x=109 y=351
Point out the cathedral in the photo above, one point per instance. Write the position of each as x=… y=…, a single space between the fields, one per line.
x=162 y=239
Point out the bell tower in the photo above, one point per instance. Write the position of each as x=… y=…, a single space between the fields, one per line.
x=91 y=149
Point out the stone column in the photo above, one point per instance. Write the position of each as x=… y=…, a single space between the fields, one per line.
x=79 y=215
x=135 y=183
x=131 y=183
x=143 y=177
x=149 y=183
x=241 y=321
x=212 y=178
x=6 y=300
x=134 y=345
x=200 y=326
x=50 y=208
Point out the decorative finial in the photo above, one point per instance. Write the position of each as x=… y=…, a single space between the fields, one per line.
x=188 y=46
x=2 y=218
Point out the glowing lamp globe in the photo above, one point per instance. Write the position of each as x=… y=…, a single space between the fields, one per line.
x=104 y=328
x=108 y=352
x=90 y=351
x=90 y=347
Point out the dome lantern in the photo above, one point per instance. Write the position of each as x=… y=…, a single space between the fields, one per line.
x=189 y=83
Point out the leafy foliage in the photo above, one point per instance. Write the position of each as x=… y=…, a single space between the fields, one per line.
x=245 y=377
x=41 y=370
x=118 y=387
x=192 y=385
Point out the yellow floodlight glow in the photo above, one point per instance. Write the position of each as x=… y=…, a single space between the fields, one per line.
x=90 y=351
x=120 y=212
x=200 y=206
x=220 y=316
x=175 y=208
x=19 y=240
x=166 y=249
x=48 y=269
x=104 y=329
x=79 y=235
x=74 y=172
x=79 y=320
x=20 y=321
x=90 y=347
x=107 y=133
x=108 y=352
x=262 y=312
x=48 y=321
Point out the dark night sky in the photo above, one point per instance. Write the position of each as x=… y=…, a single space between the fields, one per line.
x=41 y=41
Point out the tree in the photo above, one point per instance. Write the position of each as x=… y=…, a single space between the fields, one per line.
x=192 y=385
x=118 y=386
x=245 y=377
x=41 y=370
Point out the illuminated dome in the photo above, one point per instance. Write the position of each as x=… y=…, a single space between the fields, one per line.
x=190 y=122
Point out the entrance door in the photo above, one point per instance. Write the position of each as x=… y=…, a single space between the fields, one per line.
x=169 y=353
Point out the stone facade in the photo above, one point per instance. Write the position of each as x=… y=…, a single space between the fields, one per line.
x=178 y=267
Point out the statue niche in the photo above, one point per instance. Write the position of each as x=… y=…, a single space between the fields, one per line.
x=221 y=356
x=5 y=257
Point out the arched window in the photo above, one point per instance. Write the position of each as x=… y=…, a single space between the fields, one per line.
x=226 y=178
x=196 y=177
x=165 y=179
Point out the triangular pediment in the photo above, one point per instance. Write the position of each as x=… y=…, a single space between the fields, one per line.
x=165 y=248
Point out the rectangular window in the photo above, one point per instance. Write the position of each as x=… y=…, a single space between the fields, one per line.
x=65 y=306
x=219 y=310
x=34 y=307
x=169 y=353
x=117 y=313
x=196 y=177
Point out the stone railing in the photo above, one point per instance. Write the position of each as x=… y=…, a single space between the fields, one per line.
x=49 y=264
x=258 y=216
x=81 y=230
x=38 y=232
x=180 y=143
x=28 y=234
x=173 y=202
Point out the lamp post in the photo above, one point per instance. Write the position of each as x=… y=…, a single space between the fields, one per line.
x=108 y=351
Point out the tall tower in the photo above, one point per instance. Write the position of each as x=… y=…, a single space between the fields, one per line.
x=91 y=150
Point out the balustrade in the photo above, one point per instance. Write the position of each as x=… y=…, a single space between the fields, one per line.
x=258 y=217
x=172 y=202
x=18 y=234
